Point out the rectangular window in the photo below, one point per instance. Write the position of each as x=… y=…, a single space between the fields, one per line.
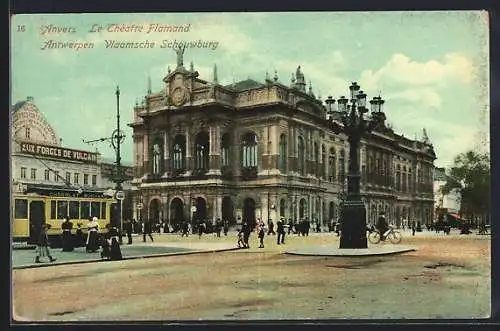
x=56 y=176
x=95 y=209
x=68 y=177
x=21 y=208
x=53 y=210
x=84 y=209
x=33 y=173
x=103 y=210
x=85 y=179
x=47 y=175
x=74 y=210
x=94 y=180
x=62 y=209
x=23 y=172
x=76 y=178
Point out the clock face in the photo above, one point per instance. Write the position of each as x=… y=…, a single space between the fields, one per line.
x=178 y=96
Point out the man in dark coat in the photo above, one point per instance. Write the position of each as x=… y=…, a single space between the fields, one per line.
x=43 y=245
x=226 y=227
x=67 y=237
x=281 y=233
x=382 y=226
x=129 y=227
x=148 y=228
x=246 y=233
x=271 y=228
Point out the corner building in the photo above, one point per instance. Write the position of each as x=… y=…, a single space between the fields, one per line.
x=264 y=150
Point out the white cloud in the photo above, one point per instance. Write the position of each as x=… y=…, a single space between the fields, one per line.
x=400 y=69
x=425 y=97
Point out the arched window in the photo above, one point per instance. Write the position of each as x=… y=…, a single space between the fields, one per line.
x=249 y=150
x=201 y=150
x=342 y=166
x=283 y=154
x=301 y=155
x=179 y=153
x=371 y=168
x=157 y=153
x=302 y=209
x=332 y=167
x=224 y=147
x=323 y=161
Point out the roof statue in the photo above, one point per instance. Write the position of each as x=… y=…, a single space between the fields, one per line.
x=216 y=79
x=180 y=56
x=301 y=83
x=275 y=75
x=191 y=66
x=149 y=84
x=425 y=137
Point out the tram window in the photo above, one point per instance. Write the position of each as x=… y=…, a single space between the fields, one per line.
x=95 y=209
x=85 y=209
x=62 y=209
x=21 y=208
x=74 y=209
x=103 y=210
x=53 y=210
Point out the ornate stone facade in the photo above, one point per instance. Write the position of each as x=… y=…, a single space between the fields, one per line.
x=264 y=150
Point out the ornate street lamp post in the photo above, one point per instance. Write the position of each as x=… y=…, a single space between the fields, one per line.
x=355 y=126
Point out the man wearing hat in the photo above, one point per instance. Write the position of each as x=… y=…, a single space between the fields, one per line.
x=382 y=225
x=43 y=245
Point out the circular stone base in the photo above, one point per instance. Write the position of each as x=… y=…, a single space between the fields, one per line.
x=331 y=250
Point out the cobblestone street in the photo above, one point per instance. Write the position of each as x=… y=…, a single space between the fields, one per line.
x=447 y=277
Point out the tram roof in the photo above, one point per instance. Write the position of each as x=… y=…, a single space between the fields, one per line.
x=45 y=189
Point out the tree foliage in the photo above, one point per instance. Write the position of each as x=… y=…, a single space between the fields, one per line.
x=470 y=176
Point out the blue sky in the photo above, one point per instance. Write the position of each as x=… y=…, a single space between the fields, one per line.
x=432 y=68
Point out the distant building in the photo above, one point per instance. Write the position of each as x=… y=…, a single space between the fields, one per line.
x=447 y=203
x=39 y=160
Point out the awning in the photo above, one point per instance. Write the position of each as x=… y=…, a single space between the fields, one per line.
x=456 y=216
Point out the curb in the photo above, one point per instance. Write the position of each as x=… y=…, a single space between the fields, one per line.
x=406 y=250
x=44 y=265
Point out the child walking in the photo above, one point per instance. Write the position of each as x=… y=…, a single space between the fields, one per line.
x=42 y=248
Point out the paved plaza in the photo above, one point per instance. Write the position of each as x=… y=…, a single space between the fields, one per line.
x=445 y=277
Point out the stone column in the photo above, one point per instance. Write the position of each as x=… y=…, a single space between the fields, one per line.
x=214 y=154
x=189 y=157
x=145 y=152
x=166 y=152
x=235 y=153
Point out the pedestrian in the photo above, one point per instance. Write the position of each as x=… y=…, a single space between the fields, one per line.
x=185 y=229
x=261 y=235
x=382 y=226
x=201 y=228
x=79 y=238
x=147 y=231
x=115 y=252
x=42 y=248
x=281 y=233
x=241 y=242
x=226 y=227
x=92 y=244
x=218 y=227
x=246 y=234
x=129 y=228
x=413 y=229
x=271 y=228
x=67 y=237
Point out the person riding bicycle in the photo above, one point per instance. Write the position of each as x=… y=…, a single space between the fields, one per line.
x=382 y=225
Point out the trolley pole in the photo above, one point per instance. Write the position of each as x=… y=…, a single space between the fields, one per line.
x=117 y=139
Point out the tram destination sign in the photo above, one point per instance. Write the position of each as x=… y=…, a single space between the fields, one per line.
x=58 y=152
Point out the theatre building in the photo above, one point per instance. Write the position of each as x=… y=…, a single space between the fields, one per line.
x=264 y=150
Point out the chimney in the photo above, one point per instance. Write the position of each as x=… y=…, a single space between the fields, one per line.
x=30 y=99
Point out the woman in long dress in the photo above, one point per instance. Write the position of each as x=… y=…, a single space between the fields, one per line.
x=67 y=237
x=115 y=252
x=92 y=244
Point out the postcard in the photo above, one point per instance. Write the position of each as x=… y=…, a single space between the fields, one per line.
x=250 y=166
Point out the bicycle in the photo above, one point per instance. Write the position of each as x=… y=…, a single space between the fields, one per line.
x=391 y=234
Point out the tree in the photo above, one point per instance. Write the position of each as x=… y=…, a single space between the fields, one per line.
x=470 y=176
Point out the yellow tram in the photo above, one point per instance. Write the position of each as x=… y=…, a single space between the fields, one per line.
x=38 y=205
